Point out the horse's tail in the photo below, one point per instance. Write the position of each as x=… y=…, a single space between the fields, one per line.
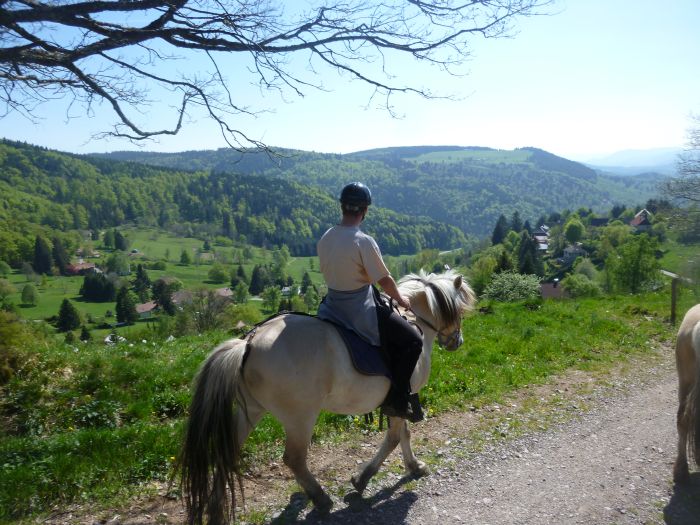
x=209 y=460
x=692 y=408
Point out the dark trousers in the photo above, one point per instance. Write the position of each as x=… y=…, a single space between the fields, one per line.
x=402 y=344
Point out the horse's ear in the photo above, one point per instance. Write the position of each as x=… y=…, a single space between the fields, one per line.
x=458 y=282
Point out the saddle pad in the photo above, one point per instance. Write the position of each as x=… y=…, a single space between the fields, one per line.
x=366 y=357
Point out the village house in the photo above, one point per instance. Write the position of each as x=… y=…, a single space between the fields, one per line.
x=541 y=236
x=641 y=221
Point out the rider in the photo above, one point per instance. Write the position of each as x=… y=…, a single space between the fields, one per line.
x=351 y=263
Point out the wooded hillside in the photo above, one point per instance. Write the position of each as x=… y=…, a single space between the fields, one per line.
x=42 y=189
x=466 y=187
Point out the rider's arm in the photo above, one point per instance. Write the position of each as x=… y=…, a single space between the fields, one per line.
x=389 y=286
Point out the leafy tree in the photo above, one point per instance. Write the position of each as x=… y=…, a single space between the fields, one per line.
x=6 y=290
x=482 y=272
x=126 y=306
x=500 y=230
x=68 y=317
x=119 y=263
x=511 y=286
x=30 y=295
x=240 y=293
x=271 y=297
x=259 y=280
x=574 y=229
x=60 y=256
x=311 y=299
x=104 y=63
x=218 y=273
x=163 y=290
x=684 y=190
x=42 y=256
x=633 y=265
x=5 y=269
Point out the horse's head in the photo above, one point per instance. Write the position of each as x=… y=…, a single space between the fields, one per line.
x=440 y=301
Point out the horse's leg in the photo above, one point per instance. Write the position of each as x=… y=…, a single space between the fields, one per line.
x=370 y=468
x=299 y=431
x=413 y=465
x=680 y=467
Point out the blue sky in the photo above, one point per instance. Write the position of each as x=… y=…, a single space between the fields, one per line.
x=596 y=77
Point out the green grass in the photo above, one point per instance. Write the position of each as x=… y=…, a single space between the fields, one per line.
x=481 y=156
x=76 y=415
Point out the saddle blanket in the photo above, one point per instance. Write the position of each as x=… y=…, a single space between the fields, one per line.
x=367 y=358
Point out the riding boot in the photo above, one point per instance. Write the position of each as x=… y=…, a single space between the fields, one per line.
x=400 y=403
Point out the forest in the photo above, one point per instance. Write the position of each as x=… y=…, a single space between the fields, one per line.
x=51 y=193
x=464 y=187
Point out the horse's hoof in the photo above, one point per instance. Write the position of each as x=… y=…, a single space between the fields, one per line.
x=681 y=474
x=419 y=470
x=358 y=484
x=323 y=503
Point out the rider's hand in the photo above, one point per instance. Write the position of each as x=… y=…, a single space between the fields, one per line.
x=404 y=302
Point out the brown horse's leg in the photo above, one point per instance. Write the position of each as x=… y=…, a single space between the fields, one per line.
x=296 y=449
x=413 y=465
x=369 y=469
x=680 y=467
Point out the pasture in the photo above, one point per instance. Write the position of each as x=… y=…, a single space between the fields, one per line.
x=91 y=423
x=153 y=246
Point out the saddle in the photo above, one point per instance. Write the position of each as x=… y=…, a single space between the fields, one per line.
x=366 y=358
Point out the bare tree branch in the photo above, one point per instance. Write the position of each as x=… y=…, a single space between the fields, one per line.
x=115 y=50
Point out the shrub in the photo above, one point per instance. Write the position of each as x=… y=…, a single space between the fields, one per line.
x=511 y=286
x=579 y=285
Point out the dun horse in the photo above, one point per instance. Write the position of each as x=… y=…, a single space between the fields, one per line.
x=294 y=367
x=688 y=366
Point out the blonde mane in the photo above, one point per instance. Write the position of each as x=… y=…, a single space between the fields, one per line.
x=446 y=301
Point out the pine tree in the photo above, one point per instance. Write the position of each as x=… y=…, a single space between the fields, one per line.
x=141 y=283
x=516 y=223
x=42 y=256
x=85 y=334
x=126 y=306
x=60 y=256
x=120 y=242
x=500 y=230
x=68 y=317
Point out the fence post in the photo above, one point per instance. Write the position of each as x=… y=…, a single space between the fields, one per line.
x=674 y=299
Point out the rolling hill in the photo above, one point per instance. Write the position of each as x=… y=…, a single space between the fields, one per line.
x=467 y=187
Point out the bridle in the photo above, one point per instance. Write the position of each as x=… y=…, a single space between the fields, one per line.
x=444 y=339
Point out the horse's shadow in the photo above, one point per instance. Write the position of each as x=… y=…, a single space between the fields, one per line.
x=380 y=504
x=684 y=507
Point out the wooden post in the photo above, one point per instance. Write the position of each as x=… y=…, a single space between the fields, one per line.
x=674 y=299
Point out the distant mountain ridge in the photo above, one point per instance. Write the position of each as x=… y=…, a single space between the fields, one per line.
x=468 y=187
x=634 y=162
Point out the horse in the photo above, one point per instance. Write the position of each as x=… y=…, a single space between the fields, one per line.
x=688 y=417
x=294 y=367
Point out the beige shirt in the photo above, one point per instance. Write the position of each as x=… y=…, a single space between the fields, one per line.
x=349 y=258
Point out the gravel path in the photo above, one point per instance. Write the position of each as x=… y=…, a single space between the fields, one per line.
x=609 y=464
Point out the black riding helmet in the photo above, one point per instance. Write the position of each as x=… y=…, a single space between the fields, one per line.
x=356 y=195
